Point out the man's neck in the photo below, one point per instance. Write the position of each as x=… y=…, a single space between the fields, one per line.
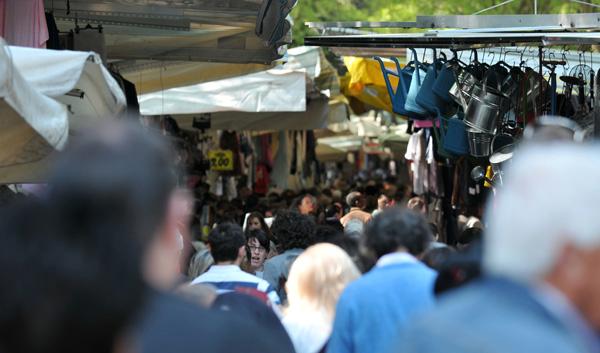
x=228 y=263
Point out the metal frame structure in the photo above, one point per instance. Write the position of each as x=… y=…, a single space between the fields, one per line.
x=455 y=40
x=170 y=14
x=467 y=32
x=558 y=22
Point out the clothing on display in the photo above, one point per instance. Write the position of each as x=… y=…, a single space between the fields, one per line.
x=24 y=23
x=53 y=33
x=230 y=141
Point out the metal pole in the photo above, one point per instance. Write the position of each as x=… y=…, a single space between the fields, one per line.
x=494 y=7
x=541 y=54
x=535 y=7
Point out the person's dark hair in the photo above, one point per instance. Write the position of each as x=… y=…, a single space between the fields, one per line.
x=250 y=307
x=354 y=199
x=225 y=242
x=115 y=182
x=332 y=211
x=395 y=228
x=459 y=269
x=261 y=236
x=435 y=258
x=295 y=206
x=470 y=235
x=293 y=230
x=63 y=293
x=265 y=228
x=325 y=233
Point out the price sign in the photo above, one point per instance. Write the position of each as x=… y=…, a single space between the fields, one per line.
x=221 y=160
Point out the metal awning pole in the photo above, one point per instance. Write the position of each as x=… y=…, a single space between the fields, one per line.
x=535 y=7
x=541 y=54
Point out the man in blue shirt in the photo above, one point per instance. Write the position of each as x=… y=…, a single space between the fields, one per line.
x=541 y=254
x=228 y=248
x=373 y=309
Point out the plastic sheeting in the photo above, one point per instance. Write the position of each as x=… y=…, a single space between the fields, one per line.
x=365 y=82
x=276 y=90
x=32 y=125
x=68 y=75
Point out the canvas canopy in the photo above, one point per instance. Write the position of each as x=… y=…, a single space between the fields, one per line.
x=33 y=125
x=76 y=79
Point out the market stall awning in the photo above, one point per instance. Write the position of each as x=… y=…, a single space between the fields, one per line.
x=152 y=76
x=319 y=114
x=33 y=125
x=277 y=90
x=77 y=79
x=326 y=153
x=237 y=31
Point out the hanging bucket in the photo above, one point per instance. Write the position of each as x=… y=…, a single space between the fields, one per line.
x=479 y=143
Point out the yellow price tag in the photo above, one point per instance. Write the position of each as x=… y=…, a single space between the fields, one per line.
x=221 y=160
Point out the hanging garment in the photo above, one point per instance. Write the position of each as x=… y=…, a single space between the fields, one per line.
x=24 y=23
x=53 y=34
x=230 y=141
x=294 y=164
x=133 y=105
x=415 y=153
x=431 y=183
x=263 y=179
x=281 y=163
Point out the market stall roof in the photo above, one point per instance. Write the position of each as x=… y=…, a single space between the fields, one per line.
x=276 y=90
x=33 y=125
x=319 y=114
x=306 y=73
x=521 y=22
x=188 y=30
x=464 y=32
x=77 y=79
x=152 y=76
x=455 y=39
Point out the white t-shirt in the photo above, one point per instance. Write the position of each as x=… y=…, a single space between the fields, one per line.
x=308 y=330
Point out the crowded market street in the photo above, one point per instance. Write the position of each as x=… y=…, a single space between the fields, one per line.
x=299 y=176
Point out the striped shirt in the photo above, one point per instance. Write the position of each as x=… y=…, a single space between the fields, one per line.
x=228 y=278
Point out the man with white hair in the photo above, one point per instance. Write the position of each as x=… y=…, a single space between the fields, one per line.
x=540 y=292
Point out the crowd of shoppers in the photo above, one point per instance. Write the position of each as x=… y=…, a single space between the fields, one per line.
x=94 y=262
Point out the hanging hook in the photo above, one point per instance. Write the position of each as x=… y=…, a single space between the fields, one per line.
x=474 y=54
x=493 y=56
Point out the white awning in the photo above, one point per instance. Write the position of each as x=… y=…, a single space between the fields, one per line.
x=276 y=90
x=318 y=115
x=77 y=79
x=33 y=125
